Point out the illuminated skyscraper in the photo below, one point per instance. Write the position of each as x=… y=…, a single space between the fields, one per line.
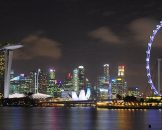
x=52 y=74
x=32 y=77
x=106 y=73
x=68 y=84
x=20 y=84
x=104 y=86
x=76 y=80
x=52 y=87
x=51 y=77
x=81 y=76
x=121 y=71
x=119 y=84
x=2 y=71
x=43 y=82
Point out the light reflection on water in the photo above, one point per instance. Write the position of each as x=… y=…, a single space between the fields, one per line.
x=17 y=118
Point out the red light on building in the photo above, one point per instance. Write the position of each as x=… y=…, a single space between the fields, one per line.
x=69 y=76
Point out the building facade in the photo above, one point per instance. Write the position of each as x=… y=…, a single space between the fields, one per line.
x=2 y=71
x=119 y=84
x=81 y=76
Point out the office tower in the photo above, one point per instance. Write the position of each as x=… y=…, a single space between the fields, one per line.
x=68 y=83
x=43 y=82
x=102 y=88
x=81 y=76
x=101 y=81
x=20 y=84
x=119 y=84
x=122 y=84
x=114 y=87
x=52 y=74
x=32 y=77
x=51 y=77
x=52 y=86
x=121 y=71
x=75 y=80
x=67 y=86
x=103 y=85
x=2 y=71
x=106 y=73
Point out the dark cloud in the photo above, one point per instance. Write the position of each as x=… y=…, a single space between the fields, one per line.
x=106 y=35
x=138 y=32
x=142 y=29
x=38 y=46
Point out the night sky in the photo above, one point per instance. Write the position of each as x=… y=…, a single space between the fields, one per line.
x=67 y=33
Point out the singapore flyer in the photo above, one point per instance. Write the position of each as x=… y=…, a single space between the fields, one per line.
x=148 y=54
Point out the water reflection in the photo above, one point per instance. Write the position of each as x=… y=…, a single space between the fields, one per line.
x=78 y=119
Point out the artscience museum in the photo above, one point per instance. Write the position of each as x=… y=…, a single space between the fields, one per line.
x=82 y=95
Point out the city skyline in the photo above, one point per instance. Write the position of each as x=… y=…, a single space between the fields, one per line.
x=75 y=83
x=80 y=64
x=67 y=34
x=56 y=73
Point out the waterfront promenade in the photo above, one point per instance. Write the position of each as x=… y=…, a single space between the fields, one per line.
x=111 y=104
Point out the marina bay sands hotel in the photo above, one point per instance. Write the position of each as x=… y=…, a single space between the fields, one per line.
x=6 y=54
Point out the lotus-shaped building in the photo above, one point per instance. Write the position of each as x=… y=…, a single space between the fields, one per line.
x=82 y=95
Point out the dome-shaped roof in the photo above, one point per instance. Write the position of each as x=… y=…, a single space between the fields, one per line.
x=40 y=96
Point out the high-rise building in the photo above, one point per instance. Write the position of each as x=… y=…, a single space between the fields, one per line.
x=43 y=82
x=51 y=87
x=52 y=74
x=68 y=84
x=106 y=73
x=2 y=71
x=121 y=71
x=104 y=87
x=20 y=84
x=119 y=84
x=76 y=80
x=51 y=77
x=81 y=76
x=33 y=81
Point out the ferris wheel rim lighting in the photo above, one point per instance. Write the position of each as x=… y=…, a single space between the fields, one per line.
x=148 y=54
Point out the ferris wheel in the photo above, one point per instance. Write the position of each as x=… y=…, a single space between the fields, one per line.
x=148 y=54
